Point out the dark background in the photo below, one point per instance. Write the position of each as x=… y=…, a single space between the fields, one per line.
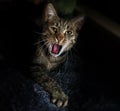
x=98 y=48
x=108 y=8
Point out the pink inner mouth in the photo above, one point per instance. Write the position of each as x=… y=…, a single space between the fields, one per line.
x=56 y=48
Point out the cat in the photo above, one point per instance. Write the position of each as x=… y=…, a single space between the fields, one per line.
x=57 y=38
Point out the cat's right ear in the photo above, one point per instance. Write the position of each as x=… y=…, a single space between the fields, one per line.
x=78 y=22
x=50 y=13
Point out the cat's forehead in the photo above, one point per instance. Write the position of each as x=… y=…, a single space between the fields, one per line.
x=62 y=23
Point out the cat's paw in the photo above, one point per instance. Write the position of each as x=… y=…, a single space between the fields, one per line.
x=59 y=98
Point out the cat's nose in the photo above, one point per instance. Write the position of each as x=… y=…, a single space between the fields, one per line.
x=60 y=38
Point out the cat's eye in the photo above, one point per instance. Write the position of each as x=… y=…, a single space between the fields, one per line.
x=69 y=32
x=54 y=29
x=56 y=24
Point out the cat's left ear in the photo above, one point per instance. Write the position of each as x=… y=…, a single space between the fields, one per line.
x=78 y=22
x=50 y=13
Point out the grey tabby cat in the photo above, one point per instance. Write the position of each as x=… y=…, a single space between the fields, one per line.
x=58 y=37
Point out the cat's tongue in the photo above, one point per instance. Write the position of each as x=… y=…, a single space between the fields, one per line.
x=55 y=48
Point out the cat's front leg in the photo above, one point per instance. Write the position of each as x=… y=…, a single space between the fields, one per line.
x=58 y=97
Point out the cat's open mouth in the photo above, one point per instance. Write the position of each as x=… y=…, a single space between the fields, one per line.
x=56 y=48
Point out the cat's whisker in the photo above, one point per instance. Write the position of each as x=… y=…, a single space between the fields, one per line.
x=69 y=61
x=45 y=43
x=42 y=47
x=67 y=52
x=67 y=55
x=76 y=51
x=40 y=41
x=71 y=54
x=40 y=33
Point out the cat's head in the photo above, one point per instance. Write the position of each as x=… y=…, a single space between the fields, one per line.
x=59 y=34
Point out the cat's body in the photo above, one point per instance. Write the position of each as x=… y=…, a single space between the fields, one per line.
x=57 y=38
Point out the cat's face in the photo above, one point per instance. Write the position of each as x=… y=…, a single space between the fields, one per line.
x=59 y=35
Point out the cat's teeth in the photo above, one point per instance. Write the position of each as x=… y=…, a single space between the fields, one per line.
x=50 y=47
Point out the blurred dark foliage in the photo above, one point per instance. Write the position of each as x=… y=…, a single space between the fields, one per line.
x=108 y=8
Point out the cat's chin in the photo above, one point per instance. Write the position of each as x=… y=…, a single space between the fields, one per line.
x=54 y=55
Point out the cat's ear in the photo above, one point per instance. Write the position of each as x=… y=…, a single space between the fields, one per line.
x=50 y=13
x=78 y=22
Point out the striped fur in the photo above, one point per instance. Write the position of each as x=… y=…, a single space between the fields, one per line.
x=55 y=31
